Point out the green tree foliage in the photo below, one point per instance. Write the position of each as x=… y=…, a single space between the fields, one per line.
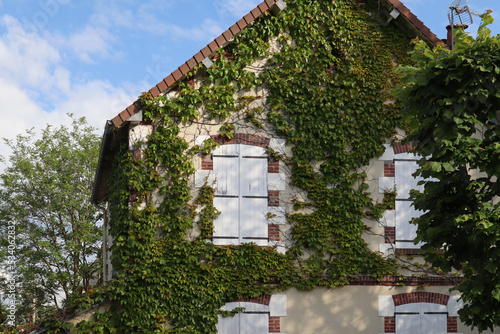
x=452 y=104
x=45 y=193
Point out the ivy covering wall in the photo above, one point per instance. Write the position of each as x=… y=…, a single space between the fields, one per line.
x=327 y=84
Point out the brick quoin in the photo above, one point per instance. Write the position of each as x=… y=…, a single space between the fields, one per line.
x=274 y=232
x=452 y=324
x=273 y=198
x=389 y=234
x=389 y=170
x=389 y=325
x=273 y=167
x=274 y=324
x=207 y=162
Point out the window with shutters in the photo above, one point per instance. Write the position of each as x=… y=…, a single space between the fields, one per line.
x=421 y=318
x=244 y=323
x=405 y=165
x=241 y=195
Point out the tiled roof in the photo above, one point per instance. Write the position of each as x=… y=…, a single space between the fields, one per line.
x=415 y=21
x=179 y=73
x=227 y=35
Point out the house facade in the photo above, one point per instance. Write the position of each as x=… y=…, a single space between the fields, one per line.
x=264 y=186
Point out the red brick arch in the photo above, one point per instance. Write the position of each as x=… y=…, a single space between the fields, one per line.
x=420 y=297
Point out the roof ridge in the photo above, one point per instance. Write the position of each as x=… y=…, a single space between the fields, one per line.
x=191 y=63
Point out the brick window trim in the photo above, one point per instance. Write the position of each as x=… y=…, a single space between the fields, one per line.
x=274 y=321
x=207 y=163
x=420 y=297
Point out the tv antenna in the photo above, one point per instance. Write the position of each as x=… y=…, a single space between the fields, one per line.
x=460 y=15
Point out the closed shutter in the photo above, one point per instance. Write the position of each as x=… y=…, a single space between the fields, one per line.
x=421 y=318
x=405 y=212
x=240 y=173
x=244 y=323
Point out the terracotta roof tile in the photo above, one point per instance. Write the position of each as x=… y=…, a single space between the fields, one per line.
x=154 y=91
x=221 y=40
x=177 y=74
x=235 y=29
x=132 y=109
x=117 y=121
x=199 y=57
x=213 y=46
x=249 y=18
x=170 y=81
x=228 y=34
x=124 y=115
x=184 y=68
x=242 y=24
x=263 y=7
x=256 y=12
x=205 y=52
x=270 y=3
x=162 y=86
x=191 y=63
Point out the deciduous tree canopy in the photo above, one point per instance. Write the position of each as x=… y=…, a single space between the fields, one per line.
x=45 y=193
x=452 y=104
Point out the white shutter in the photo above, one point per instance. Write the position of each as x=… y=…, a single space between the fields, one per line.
x=254 y=323
x=404 y=178
x=406 y=232
x=226 y=175
x=226 y=226
x=228 y=325
x=240 y=174
x=253 y=176
x=408 y=324
x=253 y=220
x=434 y=323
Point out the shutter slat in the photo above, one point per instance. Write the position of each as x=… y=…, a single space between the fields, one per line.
x=254 y=323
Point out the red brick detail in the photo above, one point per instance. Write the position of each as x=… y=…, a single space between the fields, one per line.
x=133 y=109
x=117 y=121
x=420 y=297
x=221 y=40
x=389 y=325
x=228 y=34
x=389 y=234
x=274 y=232
x=273 y=198
x=191 y=63
x=207 y=162
x=177 y=74
x=205 y=52
x=452 y=324
x=389 y=169
x=273 y=167
x=264 y=300
x=170 y=80
x=162 y=86
x=155 y=91
x=263 y=7
x=213 y=46
x=274 y=324
x=391 y=280
x=184 y=69
x=235 y=29
x=249 y=18
x=242 y=24
x=124 y=115
x=408 y=251
x=270 y=3
x=256 y=12
x=401 y=148
x=243 y=138
x=199 y=57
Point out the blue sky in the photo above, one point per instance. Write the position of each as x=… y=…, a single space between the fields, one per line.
x=94 y=57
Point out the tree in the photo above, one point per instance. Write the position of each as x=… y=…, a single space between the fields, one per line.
x=452 y=105
x=45 y=204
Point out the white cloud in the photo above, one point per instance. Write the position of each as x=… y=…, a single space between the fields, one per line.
x=92 y=41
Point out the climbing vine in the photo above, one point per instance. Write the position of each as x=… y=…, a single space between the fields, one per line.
x=327 y=70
